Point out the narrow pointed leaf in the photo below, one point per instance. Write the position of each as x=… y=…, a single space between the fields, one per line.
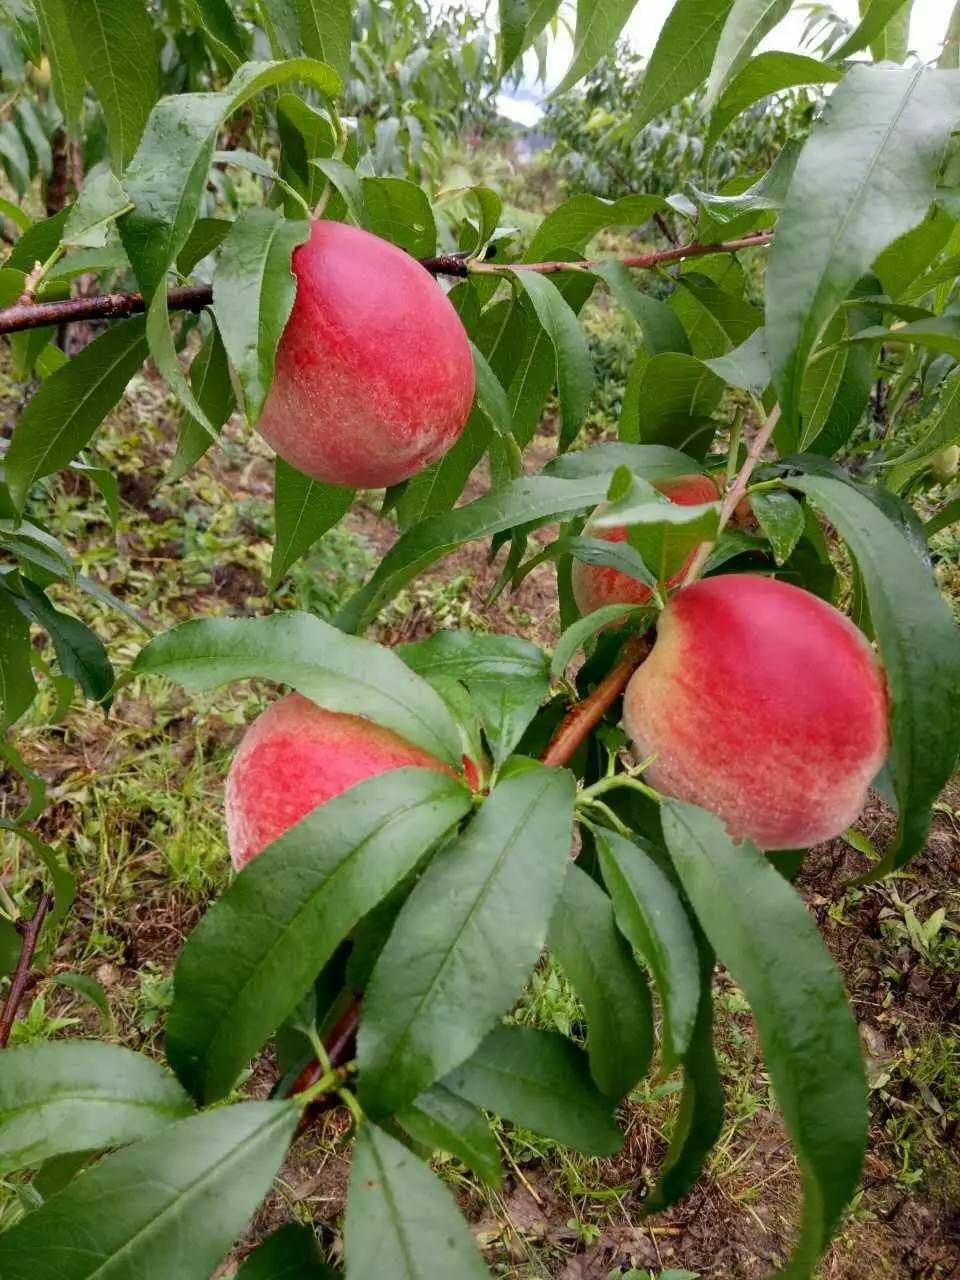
x=66 y=70
x=401 y=1221
x=651 y=916
x=213 y=391
x=700 y=1118
x=540 y=1080
x=161 y=1194
x=530 y=498
x=339 y=672
x=80 y=1095
x=574 y=369
x=682 y=57
x=443 y=1121
x=513 y=23
x=594 y=955
x=866 y=175
x=878 y=15
x=63 y=414
x=17 y=685
x=746 y=24
x=116 y=47
x=305 y=509
x=325 y=29
x=920 y=651
x=466 y=939
x=253 y=292
x=79 y=651
x=599 y=23
x=764 y=75
x=292 y=1253
x=247 y=964
x=764 y=936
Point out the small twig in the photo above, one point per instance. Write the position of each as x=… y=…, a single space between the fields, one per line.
x=339 y=1045
x=116 y=306
x=29 y=931
x=734 y=493
x=583 y=717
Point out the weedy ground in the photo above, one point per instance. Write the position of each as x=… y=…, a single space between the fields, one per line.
x=135 y=805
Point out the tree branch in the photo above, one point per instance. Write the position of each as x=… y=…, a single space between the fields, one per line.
x=585 y=715
x=29 y=931
x=734 y=493
x=117 y=306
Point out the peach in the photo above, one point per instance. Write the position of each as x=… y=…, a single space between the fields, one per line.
x=296 y=756
x=595 y=585
x=763 y=704
x=374 y=376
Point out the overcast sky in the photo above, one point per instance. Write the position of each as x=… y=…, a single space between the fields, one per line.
x=928 y=24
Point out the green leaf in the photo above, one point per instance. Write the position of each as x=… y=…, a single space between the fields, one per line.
x=80 y=653
x=37 y=243
x=866 y=175
x=507 y=678
x=950 y=57
x=9 y=947
x=746 y=366
x=348 y=184
x=584 y=939
x=938 y=333
x=531 y=498
x=63 y=414
x=579 y=632
x=95 y=209
x=764 y=936
x=571 y=226
x=599 y=23
x=213 y=391
x=920 y=650
x=400 y=212
x=878 y=14
x=513 y=21
x=682 y=57
x=245 y=967
x=66 y=69
x=167 y=176
x=106 y=482
x=325 y=29
x=764 y=75
x=253 y=292
x=746 y=24
x=305 y=509
x=90 y=990
x=768 y=192
x=465 y=940
x=160 y=1193
x=291 y=1253
x=437 y=488
x=950 y=514
x=163 y=352
x=206 y=235
x=540 y=1080
x=401 y=1221
x=31 y=543
x=661 y=327
x=443 y=1121
x=491 y=397
x=650 y=915
x=80 y=1095
x=117 y=50
x=677 y=395
x=574 y=368
x=17 y=685
x=339 y=672
x=700 y=1119
x=781 y=518
x=648 y=461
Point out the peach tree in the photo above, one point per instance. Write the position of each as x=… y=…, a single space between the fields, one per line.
x=413 y=827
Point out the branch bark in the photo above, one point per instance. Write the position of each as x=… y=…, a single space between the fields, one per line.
x=29 y=931
x=588 y=713
x=117 y=306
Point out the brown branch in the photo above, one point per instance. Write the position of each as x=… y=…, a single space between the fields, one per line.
x=585 y=715
x=29 y=931
x=116 y=306
x=107 y=306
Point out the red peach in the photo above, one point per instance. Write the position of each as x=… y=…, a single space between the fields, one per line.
x=296 y=756
x=596 y=585
x=763 y=704
x=374 y=376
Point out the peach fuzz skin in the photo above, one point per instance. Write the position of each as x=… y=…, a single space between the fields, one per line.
x=764 y=705
x=374 y=375
x=595 y=585
x=296 y=756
